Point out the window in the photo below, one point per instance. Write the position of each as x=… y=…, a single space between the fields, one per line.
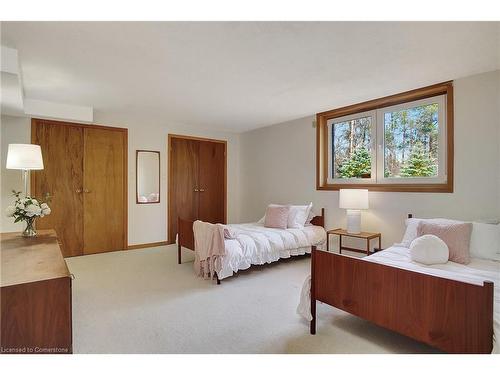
x=399 y=143
x=350 y=139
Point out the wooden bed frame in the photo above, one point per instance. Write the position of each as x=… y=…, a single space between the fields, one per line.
x=186 y=236
x=450 y=315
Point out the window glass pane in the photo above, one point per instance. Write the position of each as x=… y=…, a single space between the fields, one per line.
x=411 y=138
x=351 y=145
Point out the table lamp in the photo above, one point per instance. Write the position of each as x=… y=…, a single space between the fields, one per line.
x=353 y=200
x=25 y=157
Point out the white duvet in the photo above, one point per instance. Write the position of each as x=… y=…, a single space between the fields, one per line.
x=255 y=244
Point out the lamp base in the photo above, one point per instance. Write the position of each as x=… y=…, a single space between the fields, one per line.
x=25 y=180
x=354 y=221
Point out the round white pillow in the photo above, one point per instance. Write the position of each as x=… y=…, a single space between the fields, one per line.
x=429 y=249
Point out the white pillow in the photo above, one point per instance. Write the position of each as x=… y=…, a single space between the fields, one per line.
x=297 y=215
x=429 y=249
x=411 y=232
x=411 y=228
x=484 y=241
x=310 y=217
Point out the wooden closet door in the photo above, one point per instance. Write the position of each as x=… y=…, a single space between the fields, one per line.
x=212 y=175
x=183 y=175
x=104 y=190
x=62 y=178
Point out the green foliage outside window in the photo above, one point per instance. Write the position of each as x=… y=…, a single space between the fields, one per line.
x=357 y=166
x=410 y=144
x=419 y=164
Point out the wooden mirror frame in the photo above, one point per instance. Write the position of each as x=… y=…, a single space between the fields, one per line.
x=137 y=177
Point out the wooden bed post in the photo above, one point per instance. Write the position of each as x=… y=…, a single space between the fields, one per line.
x=313 y=294
x=179 y=247
x=179 y=260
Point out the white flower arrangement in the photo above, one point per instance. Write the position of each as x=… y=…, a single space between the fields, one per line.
x=27 y=209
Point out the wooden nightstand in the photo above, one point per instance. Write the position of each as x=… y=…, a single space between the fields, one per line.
x=368 y=236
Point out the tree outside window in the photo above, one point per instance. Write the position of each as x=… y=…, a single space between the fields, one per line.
x=411 y=142
x=351 y=145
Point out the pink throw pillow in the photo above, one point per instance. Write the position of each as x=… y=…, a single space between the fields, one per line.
x=276 y=217
x=455 y=235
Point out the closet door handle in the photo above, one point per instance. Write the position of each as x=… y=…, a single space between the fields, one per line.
x=202 y=190
x=196 y=190
x=86 y=191
x=79 y=191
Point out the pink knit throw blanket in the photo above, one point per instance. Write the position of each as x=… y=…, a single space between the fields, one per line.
x=208 y=248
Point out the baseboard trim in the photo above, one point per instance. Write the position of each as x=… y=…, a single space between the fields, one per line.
x=150 y=244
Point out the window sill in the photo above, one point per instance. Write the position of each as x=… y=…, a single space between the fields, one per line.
x=400 y=187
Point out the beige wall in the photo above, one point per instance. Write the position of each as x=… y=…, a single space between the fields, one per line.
x=12 y=130
x=278 y=165
x=146 y=222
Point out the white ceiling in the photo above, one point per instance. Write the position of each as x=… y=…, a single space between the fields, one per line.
x=240 y=75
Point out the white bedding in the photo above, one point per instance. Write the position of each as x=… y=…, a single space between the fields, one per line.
x=256 y=244
x=477 y=271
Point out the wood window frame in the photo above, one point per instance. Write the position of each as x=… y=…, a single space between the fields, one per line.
x=444 y=88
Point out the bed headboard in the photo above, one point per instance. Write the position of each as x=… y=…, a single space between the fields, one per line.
x=319 y=220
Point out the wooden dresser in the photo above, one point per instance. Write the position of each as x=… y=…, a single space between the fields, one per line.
x=35 y=295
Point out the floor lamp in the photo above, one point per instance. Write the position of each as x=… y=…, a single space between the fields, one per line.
x=25 y=157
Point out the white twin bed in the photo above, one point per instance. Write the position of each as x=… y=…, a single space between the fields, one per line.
x=484 y=267
x=256 y=245
x=251 y=244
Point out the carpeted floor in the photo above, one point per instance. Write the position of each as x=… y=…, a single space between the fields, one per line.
x=142 y=301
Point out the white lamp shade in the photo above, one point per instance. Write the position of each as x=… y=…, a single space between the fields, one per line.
x=353 y=199
x=24 y=156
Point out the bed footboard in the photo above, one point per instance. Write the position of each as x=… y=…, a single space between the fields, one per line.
x=453 y=316
x=185 y=237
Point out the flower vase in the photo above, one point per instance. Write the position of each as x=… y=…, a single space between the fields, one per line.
x=30 y=228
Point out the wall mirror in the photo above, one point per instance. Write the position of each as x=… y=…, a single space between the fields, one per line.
x=147 y=164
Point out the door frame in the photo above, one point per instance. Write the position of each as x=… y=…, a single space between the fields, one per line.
x=37 y=121
x=171 y=236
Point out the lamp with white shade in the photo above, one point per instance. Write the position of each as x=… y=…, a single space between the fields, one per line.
x=25 y=157
x=353 y=200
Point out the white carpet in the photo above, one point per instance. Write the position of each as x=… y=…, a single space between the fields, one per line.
x=142 y=301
